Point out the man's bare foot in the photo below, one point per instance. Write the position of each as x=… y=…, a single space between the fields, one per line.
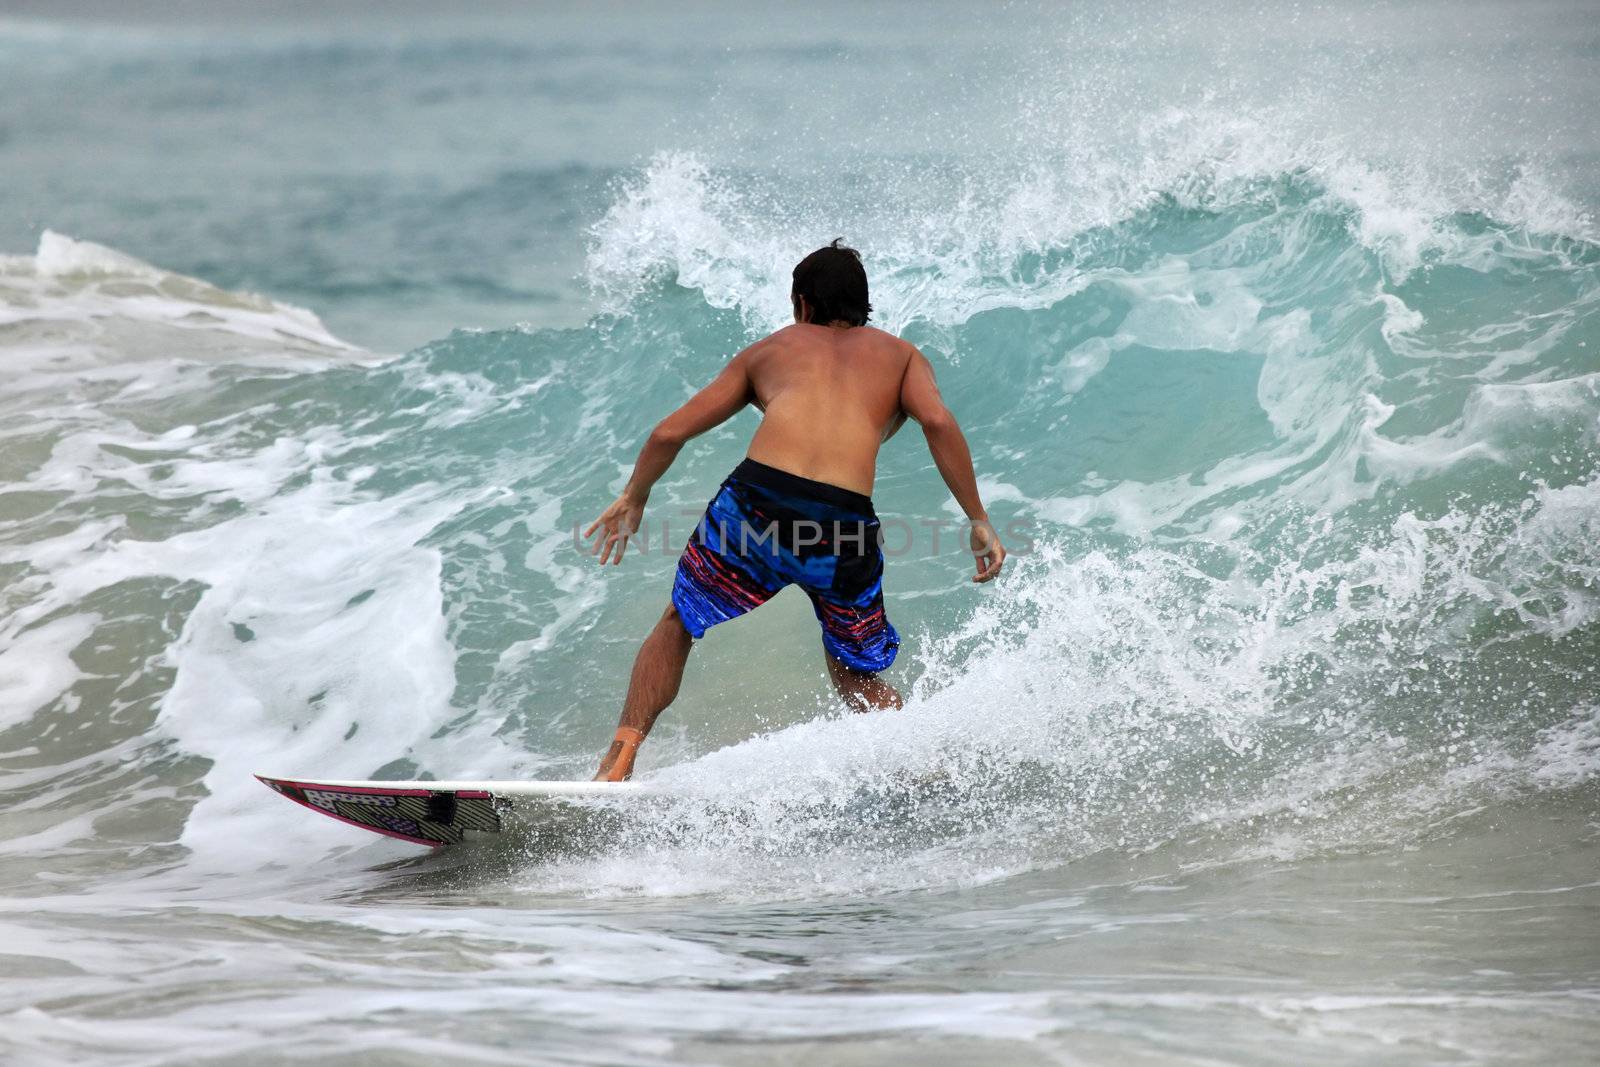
x=617 y=766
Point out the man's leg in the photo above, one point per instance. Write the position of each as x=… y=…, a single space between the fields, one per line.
x=657 y=672
x=862 y=690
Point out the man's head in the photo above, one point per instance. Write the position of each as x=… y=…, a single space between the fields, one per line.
x=830 y=286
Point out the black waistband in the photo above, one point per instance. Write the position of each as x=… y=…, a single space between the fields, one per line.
x=759 y=474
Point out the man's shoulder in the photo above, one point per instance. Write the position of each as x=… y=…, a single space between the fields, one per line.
x=895 y=352
x=782 y=334
x=884 y=338
x=800 y=338
x=798 y=330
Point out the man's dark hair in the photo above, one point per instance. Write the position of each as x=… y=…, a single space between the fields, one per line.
x=834 y=284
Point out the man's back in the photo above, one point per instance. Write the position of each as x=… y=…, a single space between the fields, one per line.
x=830 y=395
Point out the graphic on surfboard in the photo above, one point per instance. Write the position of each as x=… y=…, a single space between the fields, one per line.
x=430 y=813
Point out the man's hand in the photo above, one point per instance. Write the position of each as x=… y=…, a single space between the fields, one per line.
x=615 y=525
x=986 y=550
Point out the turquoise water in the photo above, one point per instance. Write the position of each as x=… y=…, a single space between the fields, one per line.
x=1279 y=335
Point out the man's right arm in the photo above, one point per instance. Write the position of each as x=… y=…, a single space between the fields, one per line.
x=711 y=406
x=920 y=399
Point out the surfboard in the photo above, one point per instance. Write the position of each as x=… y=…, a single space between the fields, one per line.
x=434 y=813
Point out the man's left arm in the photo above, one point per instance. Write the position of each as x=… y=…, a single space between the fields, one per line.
x=715 y=404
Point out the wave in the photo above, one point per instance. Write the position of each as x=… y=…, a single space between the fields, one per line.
x=75 y=305
x=1310 y=458
x=948 y=240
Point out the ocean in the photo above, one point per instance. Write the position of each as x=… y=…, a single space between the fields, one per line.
x=1275 y=329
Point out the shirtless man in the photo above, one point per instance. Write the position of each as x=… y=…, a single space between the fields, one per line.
x=798 y=510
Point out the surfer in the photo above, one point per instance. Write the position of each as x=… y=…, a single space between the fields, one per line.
x=798 y=510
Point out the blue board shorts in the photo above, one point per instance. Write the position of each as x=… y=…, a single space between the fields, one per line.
x=766 y=529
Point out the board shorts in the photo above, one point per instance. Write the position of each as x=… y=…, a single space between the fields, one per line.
x=766 y=529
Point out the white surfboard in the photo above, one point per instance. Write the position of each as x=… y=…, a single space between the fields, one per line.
x=433 y=813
